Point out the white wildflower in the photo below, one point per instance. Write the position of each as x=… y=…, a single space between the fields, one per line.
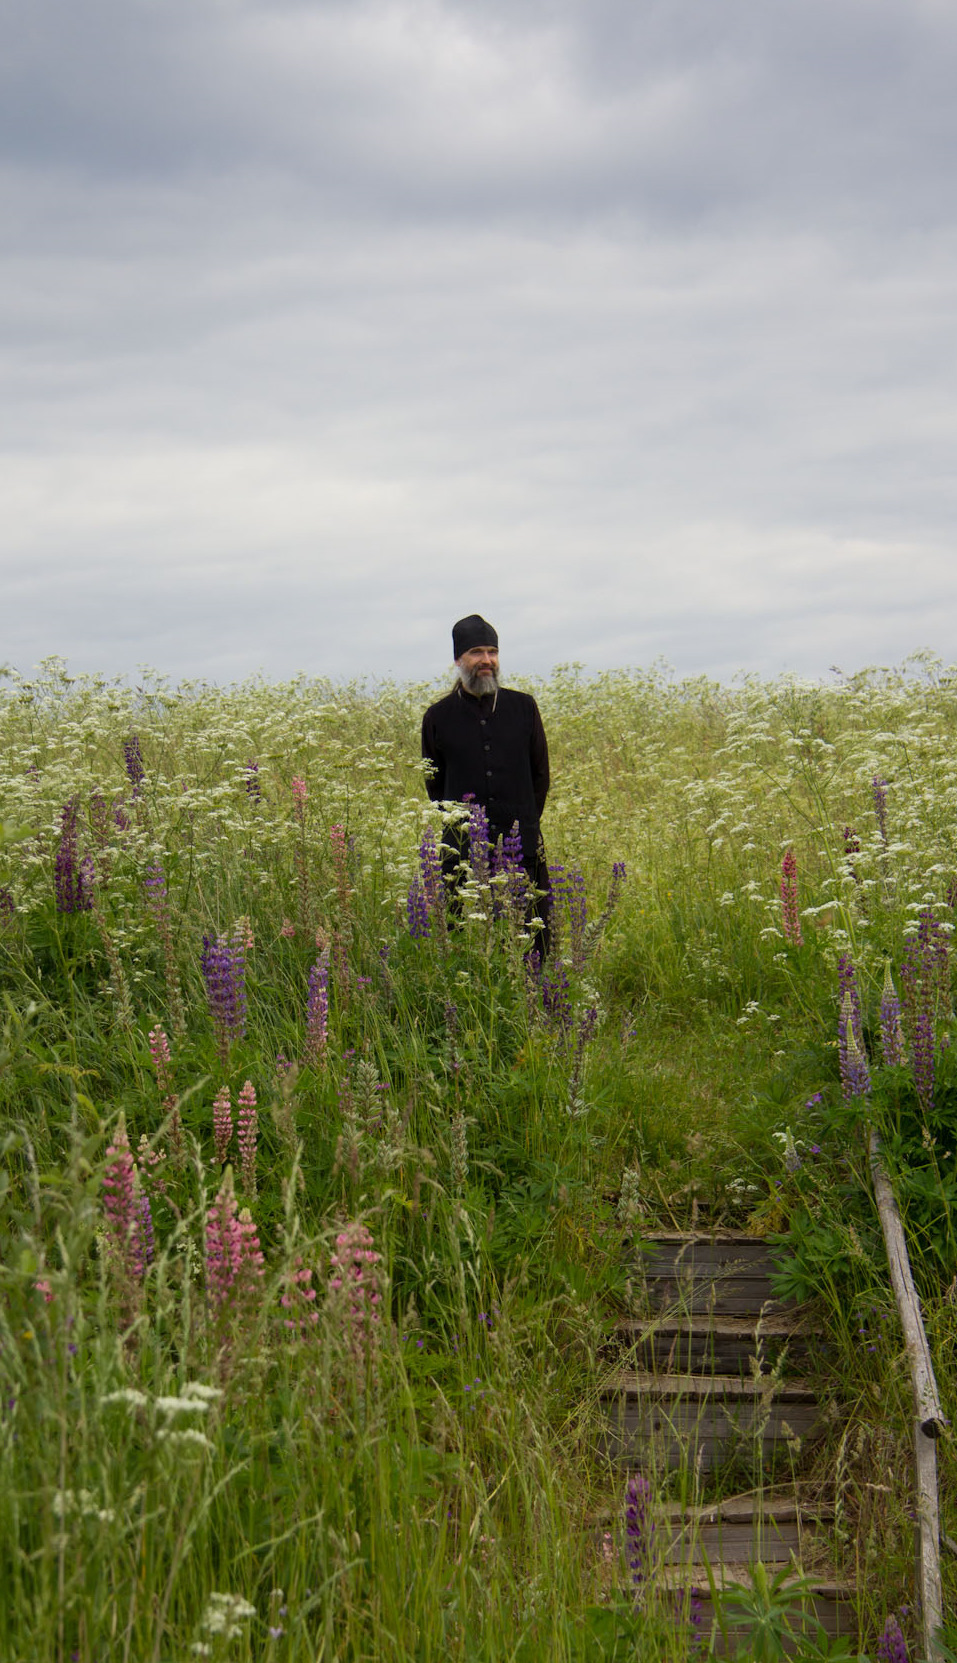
x=127 y=1395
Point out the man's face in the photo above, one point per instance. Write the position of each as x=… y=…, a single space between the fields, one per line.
x=478 y=669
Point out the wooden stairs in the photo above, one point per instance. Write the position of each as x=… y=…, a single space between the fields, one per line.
x=707 y=1402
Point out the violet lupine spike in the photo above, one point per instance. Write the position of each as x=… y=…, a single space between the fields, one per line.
x=855 y=1074
x=879 y=788
x=222 y=1124
x=73 y=876
x=892 y=1647
x=922 y=1056
x=892 y=1032
x=317 y=1015
x=430 y=871
x=417 y=911
x=253 y=787
x=852 y=847
x=639 y=1530
x=480 y=853
x=224 y=972
x=133 y=758
x=577 y=918
x=556 y=1000
x=790 y=921
x=247 y=1127
x=847 y=988
x=7 y=905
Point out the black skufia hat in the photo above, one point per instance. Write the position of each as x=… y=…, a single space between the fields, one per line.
x=472 y=631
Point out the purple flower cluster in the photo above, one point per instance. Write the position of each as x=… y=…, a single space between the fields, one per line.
x=507 y=863
x=317 y=1017
x=892 y=1647
x=639 y=1529
x=223 y=964
x=7 y=905
x=855 y=1074
x=73 y=876
x=253 y=787
x=577 y=918
x=133 y=757
x=852 y=846
x=925 y=979
x=480 y=851
x=417 y=911
x=556 y=999
x=892 y=1033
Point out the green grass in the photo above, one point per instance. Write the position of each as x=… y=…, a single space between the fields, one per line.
x=432 y=1497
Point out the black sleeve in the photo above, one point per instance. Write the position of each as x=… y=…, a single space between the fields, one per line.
x=435 y=774
x=538 y=752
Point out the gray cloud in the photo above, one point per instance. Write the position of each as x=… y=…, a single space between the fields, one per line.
x=323 y=323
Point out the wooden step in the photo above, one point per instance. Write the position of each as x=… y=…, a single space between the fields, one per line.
x=776 y=1528
x=830 y=1603
x=663 y=1421
x=727 y=1274
x=726 y=1345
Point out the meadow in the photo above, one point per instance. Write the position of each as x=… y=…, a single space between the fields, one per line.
x=318 y=1205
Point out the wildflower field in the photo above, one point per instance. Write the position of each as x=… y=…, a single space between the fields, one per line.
x=318 y=1204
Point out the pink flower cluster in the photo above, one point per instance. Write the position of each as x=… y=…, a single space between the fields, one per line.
x=354 y=1292
x=129 y=1224
x=234 y=1261
x=222 y=1124
x=246 y=1131
x=299 y=1299
x=162 y=1062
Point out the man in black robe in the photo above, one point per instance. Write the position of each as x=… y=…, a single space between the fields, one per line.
x=486 y=744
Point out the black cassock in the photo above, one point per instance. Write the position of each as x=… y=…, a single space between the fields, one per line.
x=492 y=749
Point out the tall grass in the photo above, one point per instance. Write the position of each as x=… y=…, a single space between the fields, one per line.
x=259 y=1478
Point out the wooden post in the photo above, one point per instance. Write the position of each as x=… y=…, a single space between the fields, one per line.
x=930 y=1416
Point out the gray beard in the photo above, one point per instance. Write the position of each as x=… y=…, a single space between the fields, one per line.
x=477 y=684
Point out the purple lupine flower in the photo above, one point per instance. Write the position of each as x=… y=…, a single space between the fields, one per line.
x=556 y=1000
x=7 y=905
x=317 y=1015
x=892 y=1647
x=224 y=972
x=892 y=1032
x=73 y=876
x=479 y=846
x=133 y=757
x=879 y=788
x=247 y=1126
x=253 y=787
x=417 y=911
x=639 y=1529
x=922 y=1052
x=430 y=868
x=855 y=1074
x=852 y=846
x=555 y=904
x=790 y=922
x=848 y=989
x=577 y=918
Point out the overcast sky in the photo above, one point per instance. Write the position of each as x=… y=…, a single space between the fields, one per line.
x=628 y=323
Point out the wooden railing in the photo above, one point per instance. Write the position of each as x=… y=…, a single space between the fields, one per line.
x=930 y=1418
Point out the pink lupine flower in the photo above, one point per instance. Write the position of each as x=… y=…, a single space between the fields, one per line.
x=43 y=1287
x=790 y=921
x=124 y=1220
x=222 y=1123
x=224 y=1245
x=340 y=858
x=162 y=1062
x=354 y=1293
x=243 y=933
x=299 y=1298
x=288 y=929
x=251 y=1263
x=246 y=1129
x=300 y=793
